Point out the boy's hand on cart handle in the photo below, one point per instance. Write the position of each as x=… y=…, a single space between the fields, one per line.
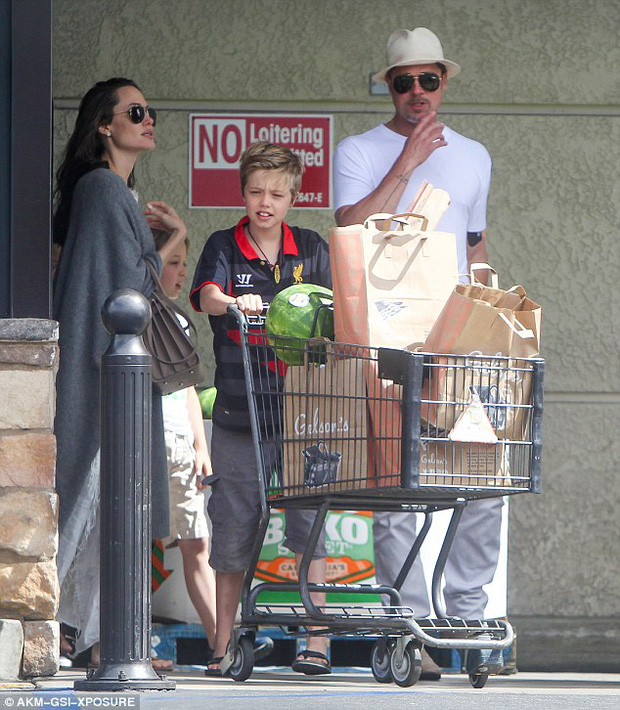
x=250 y=303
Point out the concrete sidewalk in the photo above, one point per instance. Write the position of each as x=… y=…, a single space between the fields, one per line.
x=280 y=688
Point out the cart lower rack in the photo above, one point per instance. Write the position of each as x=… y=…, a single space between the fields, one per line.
x=340 y=426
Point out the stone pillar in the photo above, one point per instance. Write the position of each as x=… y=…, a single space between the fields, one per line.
x=29 y=591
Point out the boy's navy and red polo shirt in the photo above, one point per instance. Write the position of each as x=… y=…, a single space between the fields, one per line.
x=229 y=261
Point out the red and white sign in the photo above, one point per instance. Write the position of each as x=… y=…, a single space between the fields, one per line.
x=217 y=141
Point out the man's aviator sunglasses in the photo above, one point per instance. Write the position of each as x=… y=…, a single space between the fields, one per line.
x=429 y=81
x=138 y=112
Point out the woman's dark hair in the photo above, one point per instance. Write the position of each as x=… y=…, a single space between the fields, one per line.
x=85 y=148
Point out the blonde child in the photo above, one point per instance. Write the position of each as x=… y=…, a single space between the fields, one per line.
x=247 y=265
x=188 y=463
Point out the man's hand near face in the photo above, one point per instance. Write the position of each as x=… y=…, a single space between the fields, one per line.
x=424 y=138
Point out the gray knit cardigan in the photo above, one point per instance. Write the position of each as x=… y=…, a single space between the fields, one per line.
x=107 y=246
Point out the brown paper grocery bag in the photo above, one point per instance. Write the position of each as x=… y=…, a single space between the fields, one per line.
x=487 y=320
x=503 y=386
x=391 y=279
x=325 y=427
x=442 y=462
x=384 y=427
x=480 y=321
x=349 y=284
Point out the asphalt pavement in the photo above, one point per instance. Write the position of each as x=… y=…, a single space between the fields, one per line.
x=281 y=689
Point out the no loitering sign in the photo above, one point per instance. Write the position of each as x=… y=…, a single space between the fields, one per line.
x=217 y=142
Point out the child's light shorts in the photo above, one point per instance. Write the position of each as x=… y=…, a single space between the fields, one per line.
x=234 y=506
x=188 y=518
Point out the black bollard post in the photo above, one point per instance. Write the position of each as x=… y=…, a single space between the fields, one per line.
x=126 y=400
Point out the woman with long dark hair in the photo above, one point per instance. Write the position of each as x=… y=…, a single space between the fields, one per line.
x=106 y=242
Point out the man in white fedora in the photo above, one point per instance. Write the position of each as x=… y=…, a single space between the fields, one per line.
x=381 y=171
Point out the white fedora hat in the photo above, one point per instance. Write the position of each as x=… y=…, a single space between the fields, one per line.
x=419 y=46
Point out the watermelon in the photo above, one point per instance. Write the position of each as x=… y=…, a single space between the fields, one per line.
x=207 y=400
x=291 y=319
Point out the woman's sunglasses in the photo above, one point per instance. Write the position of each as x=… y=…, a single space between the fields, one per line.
x=137 y=113
x=403 y=83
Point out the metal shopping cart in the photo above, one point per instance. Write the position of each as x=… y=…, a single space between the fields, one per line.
x=346 y=427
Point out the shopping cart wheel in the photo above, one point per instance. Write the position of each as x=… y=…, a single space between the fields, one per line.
x=380 y=662
x=243 y=663
x=478 y=680
x=479 y=663
x=406 y=671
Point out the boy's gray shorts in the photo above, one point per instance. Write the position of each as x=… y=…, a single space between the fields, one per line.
x=234 y=505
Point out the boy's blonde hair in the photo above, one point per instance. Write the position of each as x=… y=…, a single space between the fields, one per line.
x=269 y=156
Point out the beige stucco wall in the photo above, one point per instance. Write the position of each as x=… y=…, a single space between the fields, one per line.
x=538 y=87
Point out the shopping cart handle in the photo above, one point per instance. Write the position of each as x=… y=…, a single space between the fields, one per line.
x=234 y=310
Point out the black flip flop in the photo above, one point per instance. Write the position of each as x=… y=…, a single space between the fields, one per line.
x=214 y=671
x=309 y=667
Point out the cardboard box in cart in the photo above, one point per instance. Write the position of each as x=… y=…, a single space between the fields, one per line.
x=448 y=463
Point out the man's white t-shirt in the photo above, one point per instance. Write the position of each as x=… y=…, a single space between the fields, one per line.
x=462 y=168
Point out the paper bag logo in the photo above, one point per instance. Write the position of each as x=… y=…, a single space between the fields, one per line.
x=305 y=427
x=321 y=466
x=496 y=391
x=432 y=461
x=473 y=424
x=389 y=309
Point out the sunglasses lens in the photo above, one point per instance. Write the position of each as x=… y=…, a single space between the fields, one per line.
x=429 y=81
x=402 y=83
x=136 y=114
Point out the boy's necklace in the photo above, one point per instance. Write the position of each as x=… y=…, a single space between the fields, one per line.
x=275 y=268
